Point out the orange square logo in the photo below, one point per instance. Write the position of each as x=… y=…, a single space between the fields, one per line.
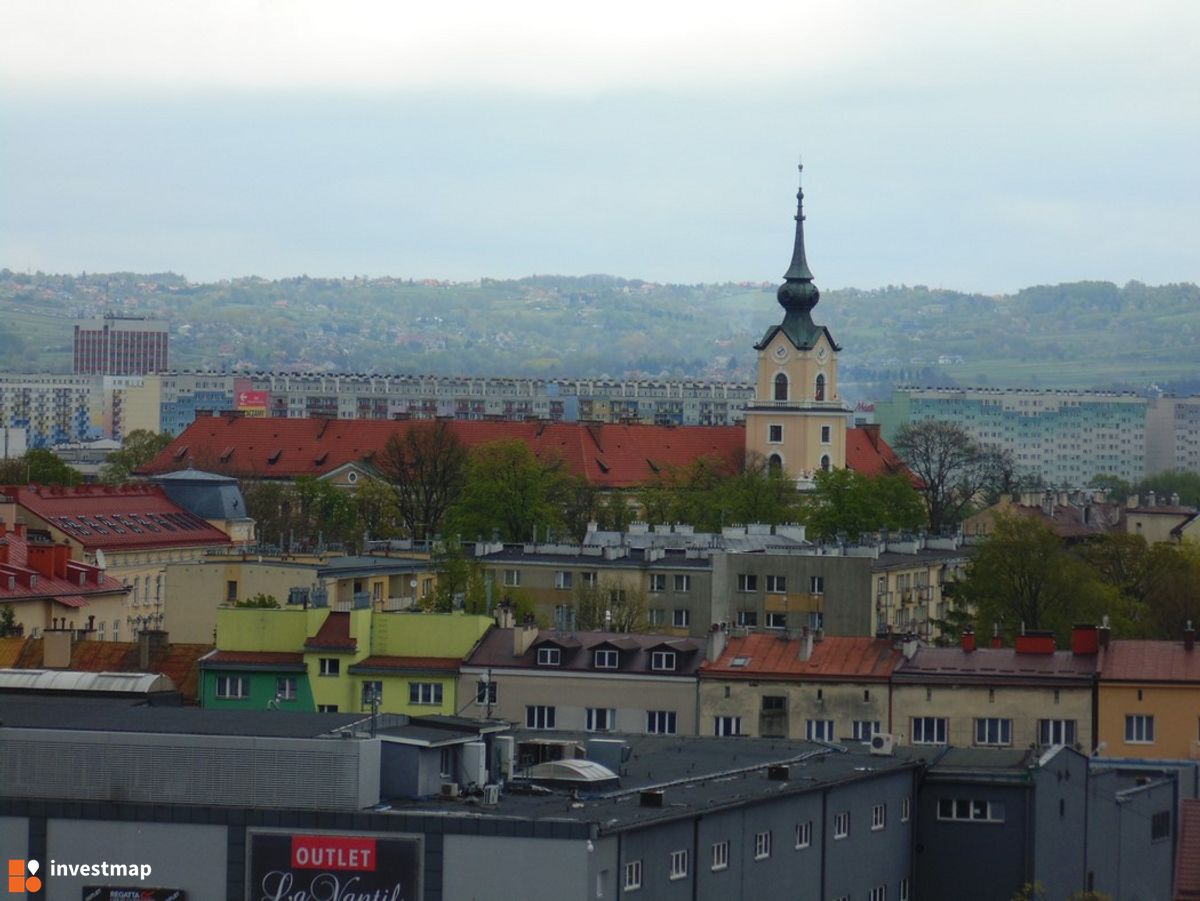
x=22 y=877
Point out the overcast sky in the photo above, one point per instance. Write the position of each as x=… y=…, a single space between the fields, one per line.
x=971 y=145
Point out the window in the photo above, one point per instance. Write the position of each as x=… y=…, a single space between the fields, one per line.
x=905 y=809
x=100 y=631
x=539 y=716
x=747 y=582
x=747 y=618
x=841 y=825
x=679 y=864
x=865 y=730
x=781 y=387
x=775 y=434
x=970 y=811
x=1139 y=729
x=774 y=464
x=656 y=616
x=116 y=630
x=330 y=666
x=512 y=577
x=826 y=434
x=1160 y=825
x=774 y=704
x=285 y=688
x=606 y=658
x=633 y=875
x=426 y=693
x=549 y=656
x=727 y=725
x=720 y=855
x=819 y=387
x=658 y=581
x=825 y=464
x=776 y=584
x=903 y=893
x=803 y=835
x=231 y=591
x=929 y=730
x=589 y=579
x=762 y=845
x=372 y=690
x=878 y=817
x=776 y=620
x=446 y=763
x=327 y=708
x=426 y=587
x=660 y=722
x=681 y=618
x=993 y=731
x=601 y=719
x=563 y=579
x=819 y=730
x=816 y=584
x=485 y=692
x=662 y=660
x=683 y=583
x=233 y=687
x=879 y=893
x=1056 y=732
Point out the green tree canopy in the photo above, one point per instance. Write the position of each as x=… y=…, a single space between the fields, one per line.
x=708 y=495
x=509 y=490
x=850 y=503
x=138 y=448
x=38 y=467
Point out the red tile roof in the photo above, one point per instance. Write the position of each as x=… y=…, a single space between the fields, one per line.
x=770 y=656
x=407 y=664
x=252 y=659
x=117 y=517
x=868 y=453
x=1187 y=862
x=179 y=662
x=988 y=665
x=67 y=590
x=334 y=634
x=1149 y=661
x=610 y=456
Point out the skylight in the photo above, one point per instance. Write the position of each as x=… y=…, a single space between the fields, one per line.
x=740 y=661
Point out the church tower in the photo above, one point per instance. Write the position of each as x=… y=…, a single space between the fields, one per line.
x=797 y=421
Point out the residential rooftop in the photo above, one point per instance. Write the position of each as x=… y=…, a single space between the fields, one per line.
x=1149 y=661
x=767 y=656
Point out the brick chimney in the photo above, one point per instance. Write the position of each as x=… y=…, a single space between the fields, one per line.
x=524 y=635
x=40 y=558
x=151 y=642
x=968 y=640
x=1035 y=642
x=1085 y=639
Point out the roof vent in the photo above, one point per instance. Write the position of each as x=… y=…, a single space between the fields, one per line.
x=651 y=797
x=779 y=772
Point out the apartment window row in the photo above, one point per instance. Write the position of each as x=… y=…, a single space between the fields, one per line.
x=425 y=693
x=998 y=731
x=970 y=810
x=679 y=582
x=599 y=719
x=232 y=687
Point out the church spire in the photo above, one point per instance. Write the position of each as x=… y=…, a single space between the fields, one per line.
x=798 y=295
x=799 y=270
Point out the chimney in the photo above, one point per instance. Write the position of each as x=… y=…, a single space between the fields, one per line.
x=1189 y=637
x=62 y=556
x=151 y=642
x=1151 y=499
x=1102 y=633
x=806 y=645
x=1085 y=639
x=1048 y=498
x=717 y=639
x=871 y=431
x=40 y=558
x=1035 y=642
x=1174 y=498
x=997 y=641
x=56 y=648
x=523 y=636
x=968 y=640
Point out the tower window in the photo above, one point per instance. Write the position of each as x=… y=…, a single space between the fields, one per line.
x=781 y=387
x=819 y=393
x=825 y=462
x=775 y=464
x=775 y=434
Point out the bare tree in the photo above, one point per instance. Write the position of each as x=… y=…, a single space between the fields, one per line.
x=426 y=465
x=607 y=604
x=954 y=469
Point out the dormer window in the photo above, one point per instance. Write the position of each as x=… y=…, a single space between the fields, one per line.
x=606 y=659
x=662 y=660
x=549 y=656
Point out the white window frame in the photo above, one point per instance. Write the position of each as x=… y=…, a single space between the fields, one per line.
x=878 y=817
x=663 y=661
x=841 y=825
x=727 y=726
x=993 y=732
x=865 y=730
x=816 y=584
x=425 y=694
x=549 y=656
x=682 y=582
x=606 y=658
x=903 y=893
x=879 y=893
x=776 y=621
x=819 y=730
x=601 y=719
x=970 y=810
x=633 y=876
x=679 y=864
x=803 y=835
x=330 y=666
x=938 y=724
x=747 y=583
x=661 y=722
x=286 y=687
x=512 y=578
x=826 y=434
x=681 y=618
x=905 y=809
x=658 y=582
x=589 y=578
x=776 y=584
x=232 y=688
x=747 y=618
x=762 y=845
x=1049 y=729
x=720 y=855
x=539 y=716
x=564 y=579
x=1139 y=728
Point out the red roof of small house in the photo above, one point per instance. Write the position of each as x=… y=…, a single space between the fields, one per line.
x=252 y=659
x=334 y=634
x=116 y=517
x=1149 y=661
x=766 y=656
x=998 y=666
x=178 y=662
x=868 y=453
x=383 y=663
x=607 y=455
x=71 y=590
x=1187 y=863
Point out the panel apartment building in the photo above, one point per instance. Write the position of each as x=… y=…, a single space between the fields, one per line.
x=120 y=346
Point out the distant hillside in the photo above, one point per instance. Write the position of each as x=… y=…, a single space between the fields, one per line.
x=1086 y=334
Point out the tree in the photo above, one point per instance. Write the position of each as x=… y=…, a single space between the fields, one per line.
x=607 y=604
x=954 y=469
x=8 y=622
x=426 y=466
x=459 y=579
x=845 y=502
x=38 y=467
x=138 y=448
x=1022 y=577
x=260 y=600
x=613 y=512
x=377 y=510
x=509 y=490
x=325 y=510
x=1164 y=484
x=708 y=494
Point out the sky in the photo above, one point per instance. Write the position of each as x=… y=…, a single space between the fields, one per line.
x=980 y=146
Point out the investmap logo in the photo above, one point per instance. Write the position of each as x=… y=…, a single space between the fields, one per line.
x=23 y=877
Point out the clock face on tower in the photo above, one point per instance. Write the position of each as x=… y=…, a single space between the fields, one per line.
x=781 y=353
x=822 y=353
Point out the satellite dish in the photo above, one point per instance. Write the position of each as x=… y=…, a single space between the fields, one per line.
x=100 y=562
x=412 y=584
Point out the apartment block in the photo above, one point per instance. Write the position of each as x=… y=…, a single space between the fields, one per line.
x=51 y=409
x=117 y=345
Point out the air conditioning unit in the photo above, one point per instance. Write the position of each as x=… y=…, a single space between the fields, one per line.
x=882 y=744
x=491 y=795
x=449 y=789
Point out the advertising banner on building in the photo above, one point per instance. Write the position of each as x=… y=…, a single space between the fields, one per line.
x=252 y=403
x=131 y=893
x=291 y=865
